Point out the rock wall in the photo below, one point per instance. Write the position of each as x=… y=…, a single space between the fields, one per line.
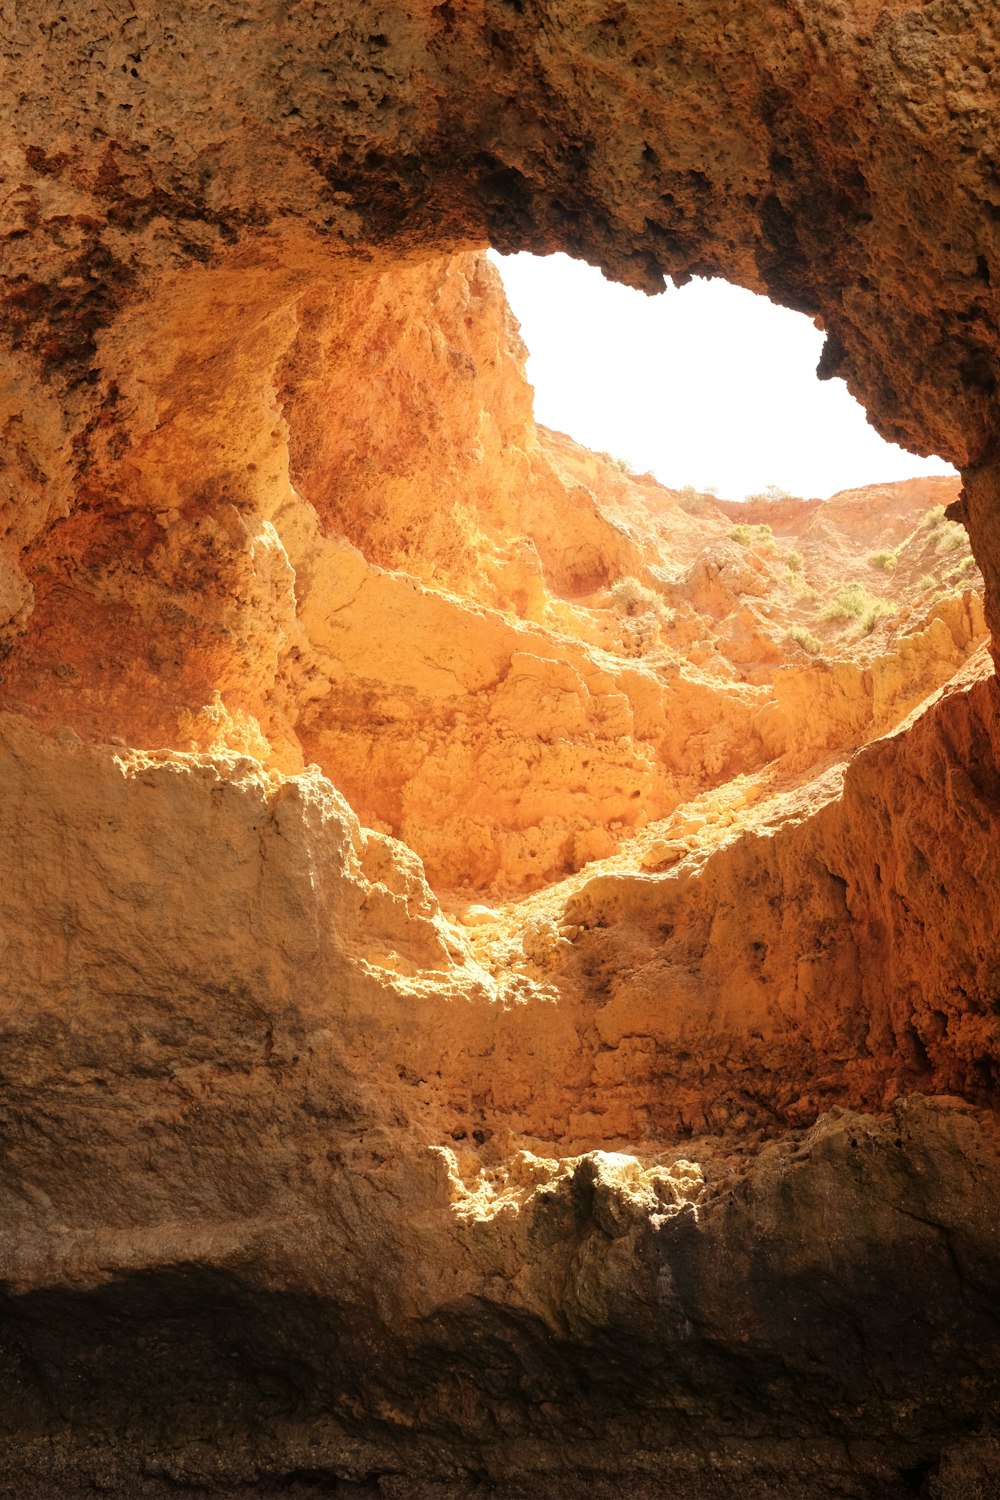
x=498 y=969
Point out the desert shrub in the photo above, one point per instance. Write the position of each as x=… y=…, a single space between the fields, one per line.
x=960 y=567
x=933 y=519
x=691 y=500
x=950 y=537
x=871 y=616
x=753 y=536
x=959 y=574
x=771 y=492
x=884 y=560
x=804 y=638
x=630 y=597
x=926 y=582
x=849 y=603
x=793 y=561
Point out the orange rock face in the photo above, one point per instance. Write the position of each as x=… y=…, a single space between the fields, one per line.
x=456 y=822
x=514 y=659
x=499 y=983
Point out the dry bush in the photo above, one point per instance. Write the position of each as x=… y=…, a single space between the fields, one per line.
x=770 y=492
x=759 y=536
x=804 y=638
x=630 y=597
x=851 y=602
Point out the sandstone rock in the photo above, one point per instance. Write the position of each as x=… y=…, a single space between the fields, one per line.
x=666 y=1175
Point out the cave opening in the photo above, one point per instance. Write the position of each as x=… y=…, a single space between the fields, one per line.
x=559 y=665
x=520 y=658
x=707 y=384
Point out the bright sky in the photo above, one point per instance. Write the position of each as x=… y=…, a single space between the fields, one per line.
x=708 y=385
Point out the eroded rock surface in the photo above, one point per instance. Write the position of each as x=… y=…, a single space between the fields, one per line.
x=499 y=978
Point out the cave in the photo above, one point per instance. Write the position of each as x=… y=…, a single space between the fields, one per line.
x=500 y=989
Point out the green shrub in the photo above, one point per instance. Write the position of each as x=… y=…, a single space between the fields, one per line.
x=849 y=603
x=805 y=638
x=753 y=536
x=951 y=536
x=959 y=572
x=877 y=611
x=884 y=560
x=926 y=582
x=793 y=561
x=933 y=519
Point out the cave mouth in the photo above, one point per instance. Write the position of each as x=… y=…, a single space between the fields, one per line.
x=511 y=653
x=559 y=665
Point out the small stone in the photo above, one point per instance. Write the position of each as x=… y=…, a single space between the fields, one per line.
x=478 y=916
x=659 y=853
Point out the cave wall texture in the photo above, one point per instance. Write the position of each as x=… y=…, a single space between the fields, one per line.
x=684 y=1180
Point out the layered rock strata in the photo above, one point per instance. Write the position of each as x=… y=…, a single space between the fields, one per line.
x=499 y=975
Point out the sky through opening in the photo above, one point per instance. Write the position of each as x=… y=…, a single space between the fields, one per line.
x=707 y=385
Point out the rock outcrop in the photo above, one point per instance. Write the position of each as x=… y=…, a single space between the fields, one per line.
x=499 y=977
